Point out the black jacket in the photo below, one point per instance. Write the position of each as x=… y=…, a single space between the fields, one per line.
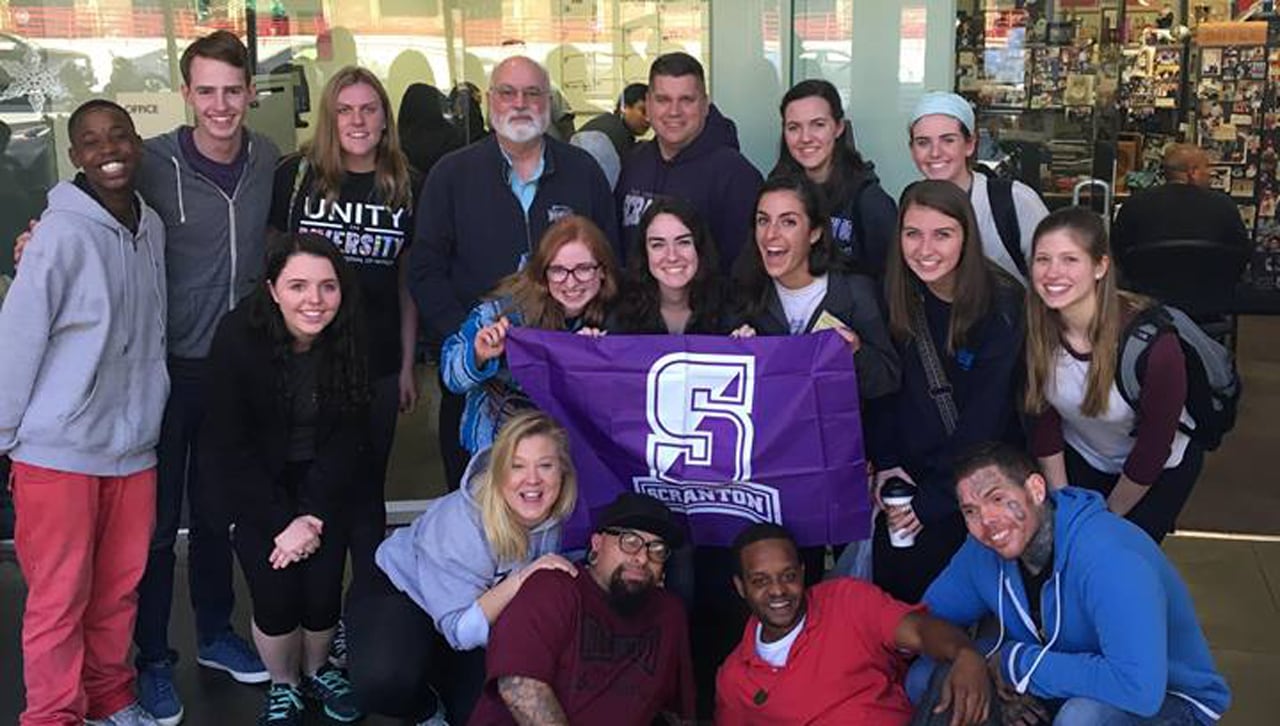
x=244 y=438
x=471 y=231
x=853 y=299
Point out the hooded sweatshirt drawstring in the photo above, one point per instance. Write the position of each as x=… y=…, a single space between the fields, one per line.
x=1022 y=684
x=177 y=182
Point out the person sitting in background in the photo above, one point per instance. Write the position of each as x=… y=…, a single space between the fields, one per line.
x=1096 y=626
x=835 y=652
x=1184 y=207
x=442 y=582
x=607 y=646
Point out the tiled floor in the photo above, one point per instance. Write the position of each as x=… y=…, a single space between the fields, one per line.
x=1236 y=584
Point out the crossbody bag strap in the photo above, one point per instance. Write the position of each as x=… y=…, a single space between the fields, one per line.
x=939 y=386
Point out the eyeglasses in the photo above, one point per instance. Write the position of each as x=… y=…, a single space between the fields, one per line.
x=631 y=543
x=581 y=273
x=507 y=94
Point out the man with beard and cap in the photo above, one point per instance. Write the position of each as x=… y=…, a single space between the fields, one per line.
x=837 y=652
x=1095 y=625
x=609 y=645
x=484 y=207
x=694 y=156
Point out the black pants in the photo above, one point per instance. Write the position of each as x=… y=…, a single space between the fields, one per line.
x=454 y=456
x=305 y=594
x=396 y=657
x=369 y=502
x=209 y=558
x=906 y=572
x=1157 y=512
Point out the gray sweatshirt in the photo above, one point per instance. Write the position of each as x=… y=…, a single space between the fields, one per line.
x=83 y=358
x=444 y=563
x=215 y=242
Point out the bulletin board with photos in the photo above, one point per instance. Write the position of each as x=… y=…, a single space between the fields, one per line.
x=1235 y=93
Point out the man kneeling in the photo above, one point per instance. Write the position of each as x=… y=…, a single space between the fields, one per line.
x=607 y=646
x=1096 y=626
x=835 y=654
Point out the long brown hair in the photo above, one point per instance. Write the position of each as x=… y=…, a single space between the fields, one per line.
x=527 y=288
x=324 y=151
x=1045 y=327
x=975 y=280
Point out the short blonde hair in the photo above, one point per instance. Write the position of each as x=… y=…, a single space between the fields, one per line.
x=508 y=539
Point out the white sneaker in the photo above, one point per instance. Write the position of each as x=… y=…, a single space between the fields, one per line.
x=131 y=715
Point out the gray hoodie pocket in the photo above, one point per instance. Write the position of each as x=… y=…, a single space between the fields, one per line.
x=84 y=405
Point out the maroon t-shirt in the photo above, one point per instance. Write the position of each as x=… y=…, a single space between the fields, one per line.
x=603 y=667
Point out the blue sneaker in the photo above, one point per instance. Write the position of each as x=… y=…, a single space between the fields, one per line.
x=283 y=707
x=157 y=694
x=229 y=652
x=331 y=688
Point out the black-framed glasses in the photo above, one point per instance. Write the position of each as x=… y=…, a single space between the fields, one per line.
x=631 y=543
x=581 y=273
x=507 y=94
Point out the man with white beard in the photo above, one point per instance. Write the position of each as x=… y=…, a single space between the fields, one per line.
x=484 y=207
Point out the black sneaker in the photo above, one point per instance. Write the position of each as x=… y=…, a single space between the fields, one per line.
x=331 y=688
x=338 y=647
x=283 y=706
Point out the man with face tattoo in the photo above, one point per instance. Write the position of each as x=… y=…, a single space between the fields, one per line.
x=1095 y=625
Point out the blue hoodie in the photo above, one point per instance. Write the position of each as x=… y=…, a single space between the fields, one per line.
x=1120 y=623
x=444 y=563
x=709 y=173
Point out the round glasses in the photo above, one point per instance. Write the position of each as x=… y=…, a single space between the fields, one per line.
x=581 y=273
x=631 y=543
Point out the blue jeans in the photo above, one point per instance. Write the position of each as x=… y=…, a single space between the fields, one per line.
x=209 y=563
x=1088 y=712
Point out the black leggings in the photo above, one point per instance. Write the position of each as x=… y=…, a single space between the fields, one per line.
x=395 y=656
x=1157 y=512
x=306 y=593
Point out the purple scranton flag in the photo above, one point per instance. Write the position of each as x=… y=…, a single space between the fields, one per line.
x=727 y=432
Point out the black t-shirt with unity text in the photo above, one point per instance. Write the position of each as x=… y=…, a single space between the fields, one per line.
x=373 y=237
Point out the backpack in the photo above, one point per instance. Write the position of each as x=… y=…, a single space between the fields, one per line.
x=1213 y=385
x=1005 y=215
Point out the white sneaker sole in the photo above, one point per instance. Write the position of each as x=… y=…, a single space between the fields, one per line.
x=240 y=677
x=172 y=720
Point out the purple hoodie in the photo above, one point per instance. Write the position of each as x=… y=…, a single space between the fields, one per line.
x=710 y=173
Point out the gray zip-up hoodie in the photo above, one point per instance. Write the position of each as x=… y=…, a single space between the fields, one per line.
x=83 y=359
x=215 y=242
x=443 y=561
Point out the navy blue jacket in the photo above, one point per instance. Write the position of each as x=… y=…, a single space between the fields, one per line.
x=709 y=173
x=984 y=376
x=471 y=231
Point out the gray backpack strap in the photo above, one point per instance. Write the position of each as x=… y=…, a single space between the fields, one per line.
x=939 y=386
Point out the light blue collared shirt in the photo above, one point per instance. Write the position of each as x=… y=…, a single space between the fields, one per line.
x=524 y=190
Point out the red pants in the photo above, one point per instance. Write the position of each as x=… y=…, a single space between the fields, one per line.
x=82 y=545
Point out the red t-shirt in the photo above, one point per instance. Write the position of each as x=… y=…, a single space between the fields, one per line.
x=603 y=667
x=844 y=667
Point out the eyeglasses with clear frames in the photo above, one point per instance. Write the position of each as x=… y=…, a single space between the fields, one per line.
x=581 y=273
x=631 y=543
x=507 y=94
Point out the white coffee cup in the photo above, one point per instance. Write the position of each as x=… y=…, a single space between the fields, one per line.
x=899 y=538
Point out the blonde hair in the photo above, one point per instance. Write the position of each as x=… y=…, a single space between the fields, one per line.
x=528 y=290
x=1045 y=327
x=324 y=151
x=507 y=537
